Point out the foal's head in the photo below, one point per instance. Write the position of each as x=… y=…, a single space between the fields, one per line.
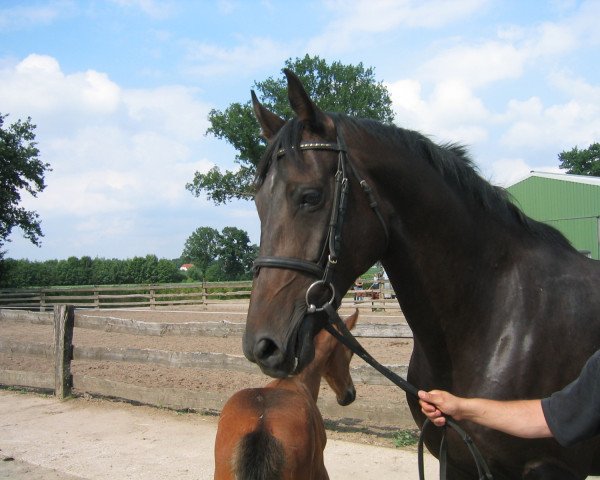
x=332 y=359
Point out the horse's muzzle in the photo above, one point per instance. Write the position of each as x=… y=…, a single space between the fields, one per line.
x=348 y=398
x=271 y=358
x=280 y=358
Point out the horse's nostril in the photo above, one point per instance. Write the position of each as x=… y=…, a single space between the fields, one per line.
x=264 y=349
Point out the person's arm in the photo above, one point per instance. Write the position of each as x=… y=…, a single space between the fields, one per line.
x=521 y=418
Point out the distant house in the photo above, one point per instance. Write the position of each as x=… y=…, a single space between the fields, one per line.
x=570 y=203
x=186 y=266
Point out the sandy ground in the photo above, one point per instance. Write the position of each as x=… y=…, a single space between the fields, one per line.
x=42 y=438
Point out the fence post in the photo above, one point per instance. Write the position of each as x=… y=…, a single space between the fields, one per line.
x=42 y=301
x=64 y=320
x=204 y=292
x=152 y=299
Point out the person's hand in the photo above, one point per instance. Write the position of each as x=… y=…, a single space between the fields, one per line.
x=437 y=403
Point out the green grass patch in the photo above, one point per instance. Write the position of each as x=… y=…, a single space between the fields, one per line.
x=406 y=438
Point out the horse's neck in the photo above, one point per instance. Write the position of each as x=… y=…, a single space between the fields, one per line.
x=436 y=256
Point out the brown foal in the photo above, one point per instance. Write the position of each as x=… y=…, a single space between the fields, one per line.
x=277 y=432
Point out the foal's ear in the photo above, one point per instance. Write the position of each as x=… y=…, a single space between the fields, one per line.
x=304 y=107
x=269 y=122
x=351 y=320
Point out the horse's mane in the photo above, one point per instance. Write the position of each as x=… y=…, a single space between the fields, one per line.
x=451 y=160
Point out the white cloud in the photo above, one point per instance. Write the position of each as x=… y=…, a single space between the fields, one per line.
x=451 y=112
x=157 y=9
x=507 y=55
x=112 y=150
x=575 y=87
x=534 y=126
x=207 y=59
x=445 y=97
x=360 y=20
x=226 y=7
x=508 y=171
x=27 y=16
x=37 y=86
x=505 y=172
x=475 y=66
x=170 y=109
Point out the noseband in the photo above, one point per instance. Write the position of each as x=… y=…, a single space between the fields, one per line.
x=323 y=268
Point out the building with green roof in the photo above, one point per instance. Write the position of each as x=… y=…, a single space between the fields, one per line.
x=570 y=203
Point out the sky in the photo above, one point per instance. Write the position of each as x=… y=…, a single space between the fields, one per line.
x=120 y=91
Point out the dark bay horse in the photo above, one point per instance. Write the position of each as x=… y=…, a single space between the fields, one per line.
x=277 y=432
x=500 y=306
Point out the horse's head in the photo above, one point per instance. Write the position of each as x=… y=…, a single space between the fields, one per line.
x=298 y=201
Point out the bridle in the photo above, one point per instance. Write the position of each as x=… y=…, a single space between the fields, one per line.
x=330 y=252
x=324 y=268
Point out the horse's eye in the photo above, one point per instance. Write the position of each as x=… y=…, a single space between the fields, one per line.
x=311 y=198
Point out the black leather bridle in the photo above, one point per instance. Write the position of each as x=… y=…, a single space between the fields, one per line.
x=324 y=268
x=330 y=252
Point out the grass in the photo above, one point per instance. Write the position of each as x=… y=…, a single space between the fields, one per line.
x=406 y=438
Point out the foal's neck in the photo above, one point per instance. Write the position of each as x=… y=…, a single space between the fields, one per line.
x=311 y=377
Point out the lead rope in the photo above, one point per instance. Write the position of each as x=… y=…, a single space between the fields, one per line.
x=342 y=334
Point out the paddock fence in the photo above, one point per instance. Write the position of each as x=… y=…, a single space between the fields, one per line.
x=152 y=296
x=64 y=318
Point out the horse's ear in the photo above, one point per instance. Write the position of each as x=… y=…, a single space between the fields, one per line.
x=304 y=107
x=351 y=320
x=269 y=122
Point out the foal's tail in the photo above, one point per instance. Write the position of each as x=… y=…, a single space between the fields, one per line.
x=259 y=456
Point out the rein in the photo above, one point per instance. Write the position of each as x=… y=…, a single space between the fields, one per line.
x=324 y=268
x=342 y=334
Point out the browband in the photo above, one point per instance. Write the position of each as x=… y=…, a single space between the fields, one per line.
x=315 y=146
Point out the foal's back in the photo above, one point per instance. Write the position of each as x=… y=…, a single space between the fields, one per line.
x=277 y=432
x=270 y=433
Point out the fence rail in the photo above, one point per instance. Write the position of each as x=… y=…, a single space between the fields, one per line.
x=151 y=296
x=64 y=319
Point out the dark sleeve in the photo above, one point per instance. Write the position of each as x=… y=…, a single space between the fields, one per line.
x=573 y=413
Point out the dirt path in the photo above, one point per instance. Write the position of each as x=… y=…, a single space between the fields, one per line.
x=95 y=439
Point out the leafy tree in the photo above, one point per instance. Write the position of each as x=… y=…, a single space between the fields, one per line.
x=167 y=271
x=219 y=256
x=582 y=162
x=88 y=271
x=201 y=248
x=20 y=170
x=215 y=273
x=195 y=275
x=335 y=87
x=236 y=253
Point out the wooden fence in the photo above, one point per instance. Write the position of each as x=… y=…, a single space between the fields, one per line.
x=65 y=318
x=152 y=296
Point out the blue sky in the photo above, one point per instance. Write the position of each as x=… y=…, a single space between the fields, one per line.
x=120 y=91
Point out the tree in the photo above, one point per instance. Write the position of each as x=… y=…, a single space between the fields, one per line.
x=219 y=256
x=20 y=170
x=236 y=253
x=582 y=162
x=201 y=248
x=335 y=87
